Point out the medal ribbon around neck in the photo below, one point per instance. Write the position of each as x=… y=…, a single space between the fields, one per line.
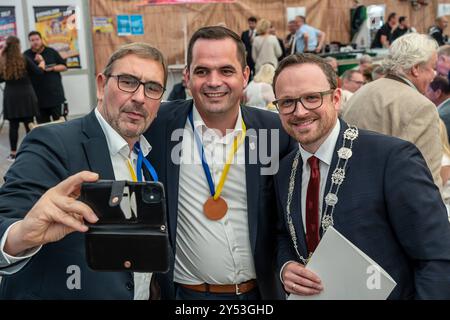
x=215 y=207
x=137 y=176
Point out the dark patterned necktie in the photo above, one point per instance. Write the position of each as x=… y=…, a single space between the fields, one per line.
x=312 y=205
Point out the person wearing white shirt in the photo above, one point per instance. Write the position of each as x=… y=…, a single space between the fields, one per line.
x=42 y=246
x=227 y=252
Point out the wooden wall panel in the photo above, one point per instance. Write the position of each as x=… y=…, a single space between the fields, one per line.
x=164 y=24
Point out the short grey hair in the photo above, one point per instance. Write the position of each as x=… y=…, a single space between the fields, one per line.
x=407 y=51
x=365 y=58
x=140 y=49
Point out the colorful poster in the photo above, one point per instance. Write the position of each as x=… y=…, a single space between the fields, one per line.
x=137 y=24
x=123 y=25
x=57 y=25
x=7 y=24
x=128 y=25
x=102 y=25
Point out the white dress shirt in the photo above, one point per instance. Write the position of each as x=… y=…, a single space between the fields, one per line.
x=325 y=155
x=207 y=251
x=119 y=152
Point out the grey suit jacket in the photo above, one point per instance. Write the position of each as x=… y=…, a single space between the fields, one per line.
x=394 y=108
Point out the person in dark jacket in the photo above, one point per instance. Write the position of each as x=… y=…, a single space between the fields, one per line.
x=48 y=86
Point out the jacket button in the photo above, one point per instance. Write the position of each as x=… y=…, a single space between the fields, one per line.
x=129 y=286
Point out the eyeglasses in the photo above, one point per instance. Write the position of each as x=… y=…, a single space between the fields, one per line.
x=310 y=101
x=130 y=84
x=361 y=83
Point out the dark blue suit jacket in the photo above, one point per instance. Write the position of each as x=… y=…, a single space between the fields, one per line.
x=48 y=155
x=388 y=207
x=260 y=192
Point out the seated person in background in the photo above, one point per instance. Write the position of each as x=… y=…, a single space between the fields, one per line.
x=259 y=92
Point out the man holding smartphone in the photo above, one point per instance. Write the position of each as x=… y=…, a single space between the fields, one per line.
x=42 y=245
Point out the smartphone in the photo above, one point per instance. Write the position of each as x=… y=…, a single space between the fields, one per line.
x=136 y=202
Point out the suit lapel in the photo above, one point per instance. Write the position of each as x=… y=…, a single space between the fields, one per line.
x=252 y=176
x=96 y=148
x=178 y=121
x=334 y=162
x=296 y=207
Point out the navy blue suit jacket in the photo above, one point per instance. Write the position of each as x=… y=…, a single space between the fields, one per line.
x=260 y=196
x=388 y=207
x=48 y=155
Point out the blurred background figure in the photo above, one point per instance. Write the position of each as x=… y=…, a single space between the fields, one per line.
x=437 y=31
x=273 y=31
x=439 y=93
x=378 y=72
x=308 y=38
x=443 y=62
x=352 y=80
x=332 y=61
x=247 y=37
x=445 y=166
x=48 y=86
x=265 y=47
x=180 y=90
x=402 y=28
x=20 y=103
x=364 y=62
x=289 y=43
x=383 y=38
x=259 y=92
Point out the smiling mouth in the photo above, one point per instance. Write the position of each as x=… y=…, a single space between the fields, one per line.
x=304 y=123
x=215 y=94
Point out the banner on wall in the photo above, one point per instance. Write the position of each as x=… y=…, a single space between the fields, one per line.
x=57 y=25
x=102 y=24
x=128 y=25
x=8 y=25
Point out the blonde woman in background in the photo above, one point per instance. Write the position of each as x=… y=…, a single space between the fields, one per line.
x=259 y=92
x=265 y=47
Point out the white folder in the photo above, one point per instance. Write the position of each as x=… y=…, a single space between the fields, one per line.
x=346 y=272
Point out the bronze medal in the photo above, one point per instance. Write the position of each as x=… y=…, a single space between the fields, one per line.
x=215 y=209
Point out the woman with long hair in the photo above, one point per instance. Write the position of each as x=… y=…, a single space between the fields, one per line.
x=19 y=99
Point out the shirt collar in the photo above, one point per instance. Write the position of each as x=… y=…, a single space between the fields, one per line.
x=201 y=128
x=116 y=143
x=326 y=149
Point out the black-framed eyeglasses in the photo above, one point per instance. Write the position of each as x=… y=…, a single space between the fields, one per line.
x=310 y=101
x=130 y=84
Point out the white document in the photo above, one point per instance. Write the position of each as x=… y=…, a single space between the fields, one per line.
x=346 y=272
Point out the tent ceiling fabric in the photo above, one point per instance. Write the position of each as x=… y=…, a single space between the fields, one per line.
x=163 y=24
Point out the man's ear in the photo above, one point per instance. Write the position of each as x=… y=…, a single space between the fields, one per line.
x=415 y=71
x=101 y=83
x=246 y=74
x=187 y=77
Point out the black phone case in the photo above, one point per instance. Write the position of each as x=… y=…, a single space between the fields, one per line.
x=117 y=243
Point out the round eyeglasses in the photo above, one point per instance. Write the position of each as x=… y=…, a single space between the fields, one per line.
x=310 y=101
